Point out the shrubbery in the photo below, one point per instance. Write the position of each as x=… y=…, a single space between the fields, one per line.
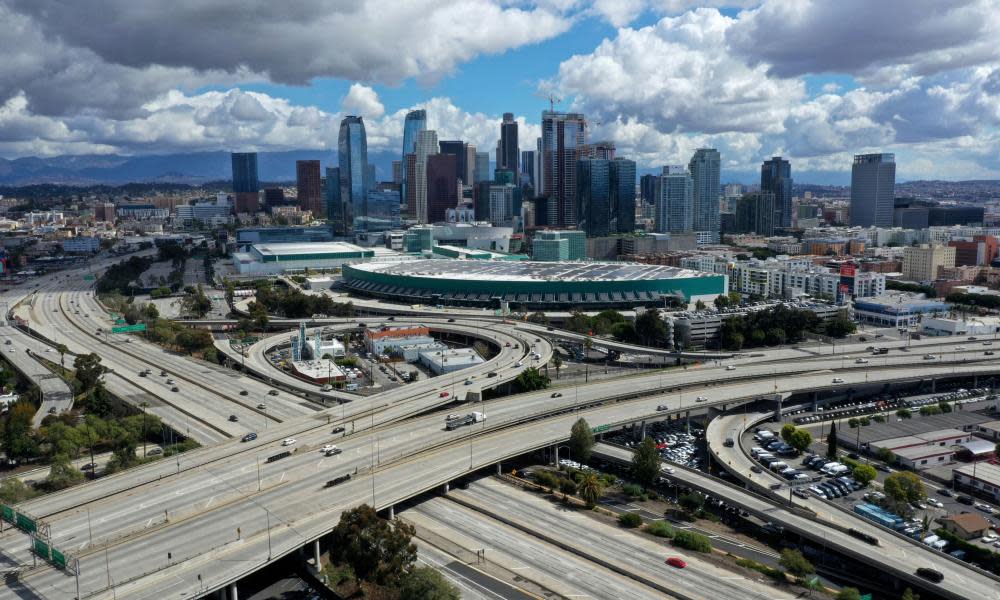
x=692 y=541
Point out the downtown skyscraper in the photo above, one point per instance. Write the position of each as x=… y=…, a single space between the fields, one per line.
x=308 y=182
x=562 y=136
x=622 y=186
x=246 y=186
x=426 y=145
x=416 y=121
x=352 y=160
x=873 y=187
x=508 y=157
x=776 y=178
x=674 y=200
x=705 y=168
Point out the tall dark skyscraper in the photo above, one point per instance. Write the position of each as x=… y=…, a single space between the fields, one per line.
x=416 y=120
x=245 y=183
x=528 y=168
x=352 y=160
x=593 y=196
x=873 y=185
x=245 y=172
x=755 y=213
x=442 y=186
x=776 y=177
x=705 y=172
x=457 y=149
x=508 y=156
x=562 y=136
x=310 y=187
x=331 y=195
x=622 y=197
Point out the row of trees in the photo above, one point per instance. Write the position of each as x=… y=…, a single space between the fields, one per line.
x=778 y=325
x=118 y=277
x=293 y=304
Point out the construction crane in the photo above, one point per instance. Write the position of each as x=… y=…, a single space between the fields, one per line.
x=552 y=98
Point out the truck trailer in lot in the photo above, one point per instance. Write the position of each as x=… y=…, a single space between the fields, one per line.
x=469 y=419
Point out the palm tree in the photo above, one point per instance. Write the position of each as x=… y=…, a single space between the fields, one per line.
x=591 y=489
x=557 y=363
x=62 y=350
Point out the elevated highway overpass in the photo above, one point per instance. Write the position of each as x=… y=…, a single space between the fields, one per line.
x=217 y=518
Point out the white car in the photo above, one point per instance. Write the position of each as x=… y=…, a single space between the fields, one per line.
x=731 y=368
x=989 y=539
x=327 y=448
x=838 y=380
x=959 y=348
x=935 y=503
x=288 y=441
x=701 y=398
x=861 y=361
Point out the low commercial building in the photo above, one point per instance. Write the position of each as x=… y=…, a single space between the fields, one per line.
x=966 y=525
x=986 y=326
x=895 y=310
x=273 y=259
x=319 y=371
x=989 y=430
x=982 y=477
x=917 y=458
x=81 y=245
x=383 y=339
x=941 y=438
x=447 y=361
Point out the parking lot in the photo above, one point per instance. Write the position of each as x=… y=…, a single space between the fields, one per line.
x=675 y=441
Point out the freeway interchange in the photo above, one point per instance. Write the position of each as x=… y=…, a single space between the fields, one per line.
x=202 y=520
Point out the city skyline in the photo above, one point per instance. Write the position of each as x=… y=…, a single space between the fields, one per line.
x=727 y=86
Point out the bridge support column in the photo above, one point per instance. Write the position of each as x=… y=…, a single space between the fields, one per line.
x=392 y=511
x=687 y=421
x=445 y=488
x=933 y=386
x=233 y=593
x=642 y=431
x=499 y=471
x=815 y=401
x=316 y=555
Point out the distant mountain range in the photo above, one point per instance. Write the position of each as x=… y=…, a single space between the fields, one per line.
x=191 y=168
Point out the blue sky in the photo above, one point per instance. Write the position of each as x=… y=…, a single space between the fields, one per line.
x=813 y=81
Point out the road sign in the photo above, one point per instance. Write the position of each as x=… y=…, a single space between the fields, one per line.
x=121 y=322
x=41 y=548
x=600 y=428
x=26 y=523
x=7 y=513
x=88 y=277
x=129 y=328
x=866 y=597
x=58 y=559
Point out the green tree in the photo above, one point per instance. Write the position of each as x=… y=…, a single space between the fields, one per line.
x=903 y=488
x=853 y=422
x=62 y=474
x=19 y=440
x=15 y=491
x=531 y=380
x=849 y=593
x=885 y=455
x=581 y=440
x=650 y=328
x=591 y=489
x=909 y=595
x=864 y=474
x=62 y=350
x=425 y=583
x=801 y=439
x=795 y=563
x=831 y=442
x=539 y=318
x=691 y=502
x=699 y=305
x=692 y=541
x=379 y=551
x=904 y=413
x=567 y=487
x=557 y=363
x=88 y=369
x=258 y=314
x=629 y=520
x=646 y=462
x=786 y=432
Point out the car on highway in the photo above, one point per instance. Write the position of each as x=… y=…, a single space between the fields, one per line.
x=965 y=499
x=233 y=418
x=987 y=343
x=261 y=406
x=443 y=395
x=491 y=374
x=469 y=382
x=327 y=448
x=676 y=562
x=931 y=574
x=338 y=429
x=520 y=363
x=243 y=392
x=249 y=437
x=838 y=380
x=930 y=357
x=756 y=469
x=451 y=320
x=557 y=394
x=959 y=348
x=288 y=441
x=175 y=389
x=272 y=393
x=333 y=451
x=701 y=399
x=944 y=492
x=52 y=410
x=662 y=407
x=861 y=361
x=88 y=467
x=935 y=503
x=731 y=367
x=988 y=353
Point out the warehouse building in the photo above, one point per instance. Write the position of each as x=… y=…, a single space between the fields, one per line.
x=529 y=285
x=274 y=259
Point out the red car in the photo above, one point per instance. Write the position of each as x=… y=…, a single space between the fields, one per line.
x=674 y=561
x=444 y=394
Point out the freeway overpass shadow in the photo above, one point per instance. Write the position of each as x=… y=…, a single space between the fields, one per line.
x=20 y=590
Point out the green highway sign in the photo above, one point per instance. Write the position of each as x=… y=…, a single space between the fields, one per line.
x=26 y=523
x=88 y=277
x=7 y=513
x=600 y=428
x=41 y=548
x=58 y=559
x=129 y=328
x=121 y=322
x=866 y=597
